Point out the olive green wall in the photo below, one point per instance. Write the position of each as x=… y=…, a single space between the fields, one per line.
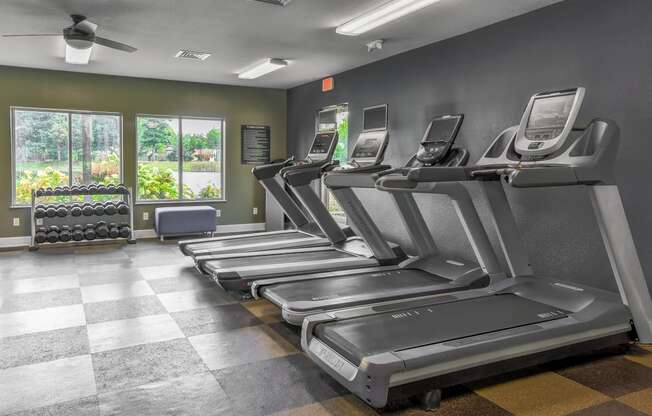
x=131 y=96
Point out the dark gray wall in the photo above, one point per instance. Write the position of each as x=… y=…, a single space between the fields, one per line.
x=489 y=74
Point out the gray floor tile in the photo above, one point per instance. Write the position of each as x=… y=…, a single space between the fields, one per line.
x=87 y=406
x=43 y=346
x=48 y=319
x=32 y=270
x=214 y=319
x=39 y=284
x=43 y=384
x=114 y=310
x=130 y=367
x=100 y=257
x=291 y=334
x=270 y=386
x=181 y=283
x=196 y=395
x=195 y=299
x=161 y=272
x=39 y=300
x=103 y=274
x=240 y=346
x=115 y=291
x=112 y=335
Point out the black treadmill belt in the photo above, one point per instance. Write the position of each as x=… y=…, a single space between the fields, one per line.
x=410 y=328
x=340 y=289
x=260 y=239
x=276 y=259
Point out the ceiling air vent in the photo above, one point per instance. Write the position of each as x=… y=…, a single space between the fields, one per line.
x=281 y=3
x=185 y=54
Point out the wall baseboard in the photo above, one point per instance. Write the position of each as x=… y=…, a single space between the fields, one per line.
x=23 y=241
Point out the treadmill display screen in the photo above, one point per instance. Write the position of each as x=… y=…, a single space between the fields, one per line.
x=442 y=130
x=551 y=112
x=322 y=144
x=366 y=148
x=375 y=118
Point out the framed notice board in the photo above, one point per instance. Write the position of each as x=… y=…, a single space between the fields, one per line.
x=255 y=144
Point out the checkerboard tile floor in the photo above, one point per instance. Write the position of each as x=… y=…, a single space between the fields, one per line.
x=134 y=330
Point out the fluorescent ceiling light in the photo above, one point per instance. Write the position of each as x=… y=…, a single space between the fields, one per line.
x=78 y=56
x=388 y=12
x=261 y=68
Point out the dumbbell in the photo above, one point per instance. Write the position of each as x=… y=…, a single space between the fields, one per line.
x=65 y=235
x=77 y=232
x=123 y=208
x=57 y=190
x=48 y=191
x=122 y=189
x=41 y=235
x=52 y=235
x=87 y=210
x=89 y=232
x=75 y=210
x=51 y=211
x=82 y=189
x=93 y=189
x=114 y=231
x=101 y=229
x=110 y=208
x=110 y=188
x=125 y=230
x=98 y=207
x=39 y=192
x=39 y=211
x=62 y=211
x=65 y=190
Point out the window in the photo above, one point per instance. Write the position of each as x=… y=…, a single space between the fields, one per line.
x=57 y=148
x=180 y=158
x=335 y=118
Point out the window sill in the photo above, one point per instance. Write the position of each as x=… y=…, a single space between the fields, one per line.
x=181 y=202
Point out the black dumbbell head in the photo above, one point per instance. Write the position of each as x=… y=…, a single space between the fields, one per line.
x=110 y=208
x=39 y=212
x=52 y=236
x=76 y=211
x=62 y=211
x=99 y=209
x=125 y=231
x=123 y=208
x=51 y=212
x=122 y=189
x=87 y=210
x=40 y=236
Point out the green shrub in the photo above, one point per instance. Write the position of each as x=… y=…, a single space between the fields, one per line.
x=155 y=183
x=210 y=191
x=28 y=180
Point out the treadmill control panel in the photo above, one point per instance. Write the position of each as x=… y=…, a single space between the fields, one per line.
x=439 y=138
x=323 y=146
x=370 y=148
x=548 y=121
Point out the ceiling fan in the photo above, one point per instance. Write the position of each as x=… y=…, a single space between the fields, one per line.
x=80 y=38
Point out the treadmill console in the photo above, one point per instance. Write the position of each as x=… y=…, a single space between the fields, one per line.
x=438 y=138
x=547 y=122
x=374 y=118
x=370 y=148
x=323 y=146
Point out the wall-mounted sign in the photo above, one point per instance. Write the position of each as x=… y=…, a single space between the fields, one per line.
x=327 y=84
x=255 y=144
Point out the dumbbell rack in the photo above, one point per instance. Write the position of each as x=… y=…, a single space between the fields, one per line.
x=70 y=220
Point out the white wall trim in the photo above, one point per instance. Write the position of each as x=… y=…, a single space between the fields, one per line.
x=23 y=241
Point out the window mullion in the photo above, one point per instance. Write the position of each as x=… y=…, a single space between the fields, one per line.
x=69 y=149
x=180 y=156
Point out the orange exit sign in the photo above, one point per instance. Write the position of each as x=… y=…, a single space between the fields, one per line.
x=327 y=84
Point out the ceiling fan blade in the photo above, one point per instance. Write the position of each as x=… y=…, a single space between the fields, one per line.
x=85 y=26
x=115 y=45
x=31 y=35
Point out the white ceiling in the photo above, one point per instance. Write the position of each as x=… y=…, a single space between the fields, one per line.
x=237 y=32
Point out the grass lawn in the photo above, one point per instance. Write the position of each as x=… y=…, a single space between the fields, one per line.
x=193 y=166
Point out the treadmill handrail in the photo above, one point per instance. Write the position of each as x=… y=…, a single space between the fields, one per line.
x=359 y=177
x=270 y=169
x=303 y=174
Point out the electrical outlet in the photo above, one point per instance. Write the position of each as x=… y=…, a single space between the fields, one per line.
x=145 y=216
x=255 y=210
x=16 y=222
x=218 y=213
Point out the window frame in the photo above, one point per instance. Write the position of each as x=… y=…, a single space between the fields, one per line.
x=70 y=112
x=340 y=218
x=178 y=201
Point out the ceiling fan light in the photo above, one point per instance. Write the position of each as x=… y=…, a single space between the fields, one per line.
x=379 y=16
x=78 y=56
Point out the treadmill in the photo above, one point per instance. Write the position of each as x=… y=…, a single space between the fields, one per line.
x=306 y=232
x=237 y=271
x=429 y=272
x=423 y=344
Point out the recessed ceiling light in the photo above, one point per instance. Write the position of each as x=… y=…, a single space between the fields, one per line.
x=386 y=13
x=282 y=3
x=187 y=54
x=78 y=56
x=262 y=67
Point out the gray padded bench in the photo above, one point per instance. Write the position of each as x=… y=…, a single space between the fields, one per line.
x=178 y=221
